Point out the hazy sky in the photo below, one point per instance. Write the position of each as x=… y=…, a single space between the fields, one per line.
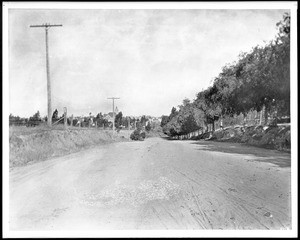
x=151 y=59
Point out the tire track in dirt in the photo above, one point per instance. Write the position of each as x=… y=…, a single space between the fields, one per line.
x=238 y=204
x=202 y=213
x=224 y=180
x=157 y=215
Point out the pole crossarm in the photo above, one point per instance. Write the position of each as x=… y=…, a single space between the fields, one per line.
x=47 y=25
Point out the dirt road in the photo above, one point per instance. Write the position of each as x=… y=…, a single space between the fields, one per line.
x=155 y=184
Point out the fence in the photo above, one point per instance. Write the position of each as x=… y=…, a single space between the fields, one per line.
x=252 y=118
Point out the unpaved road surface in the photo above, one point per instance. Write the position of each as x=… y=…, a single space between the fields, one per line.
x=154 y=184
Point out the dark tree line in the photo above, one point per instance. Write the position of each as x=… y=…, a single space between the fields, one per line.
x=259 y=80
x=31 y=121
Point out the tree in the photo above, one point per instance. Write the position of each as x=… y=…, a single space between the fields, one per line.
x=148 y=127
x=99 y=119
x=55 y=115
x=189 y=125
x=125 y=121
x=14 y=120
x=35 y=119
x=186 y=117
x=173 y=127
x=132 y=121
x=259 y=79
x=36 y=116
x=173 y=113
x=118 y=120
x=139 y=126
x=182 y=121
x=225 y=85
x=207 y=101
x=282 y=66
x=164 y=120
x=284 y=26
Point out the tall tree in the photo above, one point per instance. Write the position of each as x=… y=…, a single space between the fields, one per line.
x=118 y=120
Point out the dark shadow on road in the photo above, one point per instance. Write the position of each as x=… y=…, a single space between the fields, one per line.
x=278 y=158
x=169 y=138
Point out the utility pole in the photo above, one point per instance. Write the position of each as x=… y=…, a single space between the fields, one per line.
x=113 y=98
x=47 y=26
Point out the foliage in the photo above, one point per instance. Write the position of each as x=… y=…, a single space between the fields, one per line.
x=164 y=120
x=182 y=121
x=35 y=119
x=143 y=121
x=55 y=115
x=138 y=135
x=101 y=121
x=16 y=120
x=118 y=120
x=258 y=80
x=148 y=127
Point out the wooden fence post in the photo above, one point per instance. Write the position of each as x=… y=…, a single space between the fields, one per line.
x=261 y=116
x=65 y=118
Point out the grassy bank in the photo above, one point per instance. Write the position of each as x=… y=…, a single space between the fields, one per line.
x=271 y=137
x=32 y=144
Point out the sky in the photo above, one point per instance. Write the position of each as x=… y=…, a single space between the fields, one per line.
x=151 y=59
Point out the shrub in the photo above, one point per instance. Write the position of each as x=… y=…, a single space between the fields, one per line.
x=138 y=135
x=143 y=135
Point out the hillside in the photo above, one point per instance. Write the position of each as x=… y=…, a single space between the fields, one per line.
x=28 y=145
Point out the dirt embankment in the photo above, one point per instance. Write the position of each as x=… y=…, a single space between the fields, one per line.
x=272 y=137
x=32 y=144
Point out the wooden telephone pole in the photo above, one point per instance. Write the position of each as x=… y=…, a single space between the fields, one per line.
x=47 y=26
x=113 y=98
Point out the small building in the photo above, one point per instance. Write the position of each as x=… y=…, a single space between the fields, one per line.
x=109 y=116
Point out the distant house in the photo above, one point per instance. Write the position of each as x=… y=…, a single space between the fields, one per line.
x=109 y=116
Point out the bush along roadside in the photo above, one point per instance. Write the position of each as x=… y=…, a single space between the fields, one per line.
x=272 y=137
x=138 y=135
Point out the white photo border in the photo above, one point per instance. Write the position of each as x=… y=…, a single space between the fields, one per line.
x=292 y=6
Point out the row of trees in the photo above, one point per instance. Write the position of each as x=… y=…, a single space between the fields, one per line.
x=120 y=120
x=31 y=121
x=259 y=80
